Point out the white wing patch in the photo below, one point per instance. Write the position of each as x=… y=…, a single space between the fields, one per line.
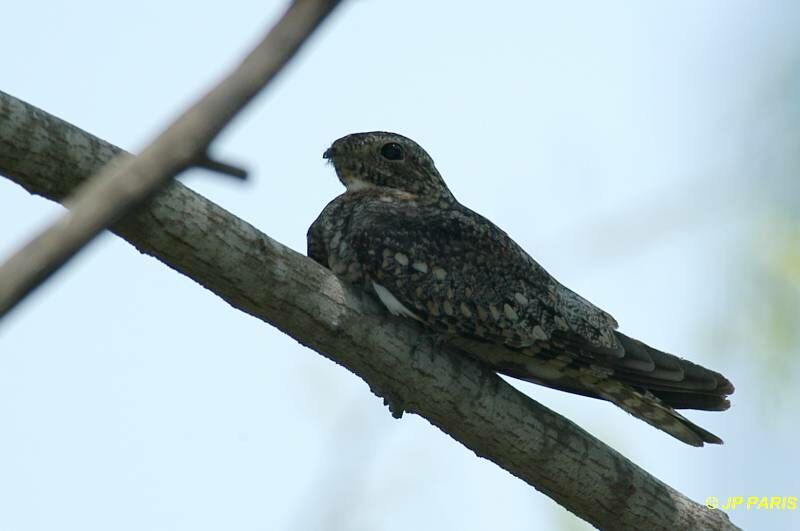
x=392 y=304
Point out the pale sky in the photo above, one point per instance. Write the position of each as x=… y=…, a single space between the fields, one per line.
x=612 y=140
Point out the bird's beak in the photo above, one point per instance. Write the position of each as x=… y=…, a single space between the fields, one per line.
x=328 y=153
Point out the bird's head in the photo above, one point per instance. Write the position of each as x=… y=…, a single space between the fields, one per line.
x=387 y=160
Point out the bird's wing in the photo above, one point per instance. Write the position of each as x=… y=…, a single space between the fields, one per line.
x=459 y=273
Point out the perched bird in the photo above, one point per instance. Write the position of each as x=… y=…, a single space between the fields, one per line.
x=398 y=232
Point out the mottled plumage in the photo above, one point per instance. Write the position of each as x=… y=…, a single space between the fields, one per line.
x=398 y=232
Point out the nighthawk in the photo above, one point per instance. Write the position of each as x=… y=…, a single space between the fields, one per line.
x=398 y=232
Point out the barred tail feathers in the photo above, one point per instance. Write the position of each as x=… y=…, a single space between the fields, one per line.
x=651 y=409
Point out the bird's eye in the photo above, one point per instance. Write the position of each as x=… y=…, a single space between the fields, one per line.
x=392 y=151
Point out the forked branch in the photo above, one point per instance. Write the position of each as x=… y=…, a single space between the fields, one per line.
x=118 y=188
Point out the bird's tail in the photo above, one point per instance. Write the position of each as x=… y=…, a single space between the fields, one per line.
x=646 y=406
x=647 y=383
x=679 y=383
x=651 y=384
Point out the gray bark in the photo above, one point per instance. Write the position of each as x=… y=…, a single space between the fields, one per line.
x=397 y=359
x=119 y=187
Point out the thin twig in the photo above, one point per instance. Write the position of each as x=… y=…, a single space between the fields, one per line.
x=277 y=285
x=223 y=168
x=116 y=190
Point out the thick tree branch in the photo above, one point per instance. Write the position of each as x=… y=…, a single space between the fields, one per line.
x=261 y=277
x=120 y=187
